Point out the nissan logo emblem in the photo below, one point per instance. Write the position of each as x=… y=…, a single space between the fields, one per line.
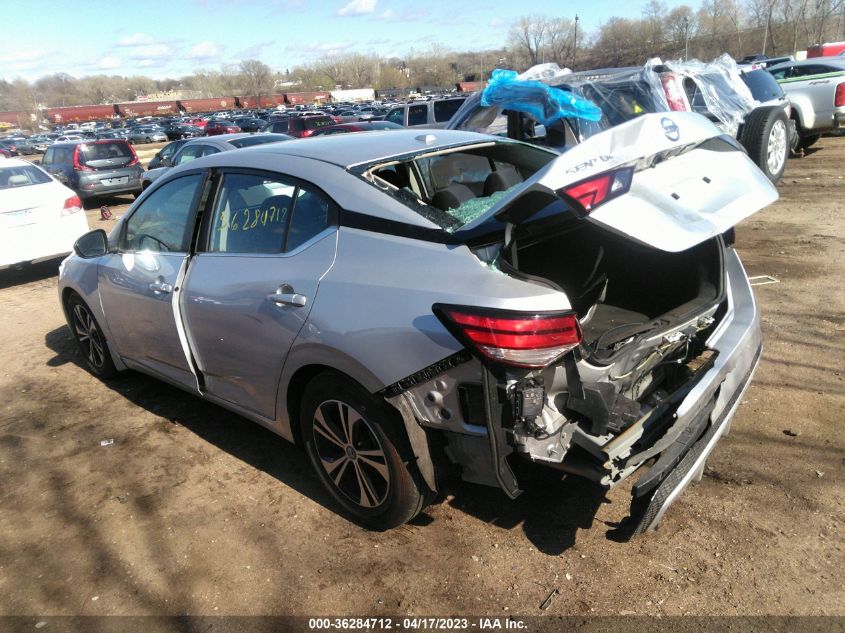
x=670 y=129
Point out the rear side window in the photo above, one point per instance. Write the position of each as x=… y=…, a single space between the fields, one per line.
x=762 y=85
x=58 y=155
x=251 y=215
x=21 y=176
x=163 y=221
x=315 y=123
x=256 y=214
x=417 y=115
x=445 y=110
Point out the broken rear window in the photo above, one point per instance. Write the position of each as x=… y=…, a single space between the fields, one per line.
x=455 y=186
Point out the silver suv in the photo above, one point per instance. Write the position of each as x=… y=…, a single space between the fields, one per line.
x=97 y=168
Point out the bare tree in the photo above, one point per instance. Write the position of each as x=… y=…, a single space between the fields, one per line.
x=256 y=78
x=527 y=37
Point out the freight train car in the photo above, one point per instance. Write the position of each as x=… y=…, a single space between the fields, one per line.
x=147 y=108
x=78 y=114
x=207 y=105
x=17 y=118
x=264 y=101
x=299 y=98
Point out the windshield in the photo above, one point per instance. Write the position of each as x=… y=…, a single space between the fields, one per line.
x=457 y=185
x=21 y=176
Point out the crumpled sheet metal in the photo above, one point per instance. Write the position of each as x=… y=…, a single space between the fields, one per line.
x=720 y=89
x=544 y=103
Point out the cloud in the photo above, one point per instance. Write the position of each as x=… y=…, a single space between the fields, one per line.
x=358 y=7
x=253 y=52
x=328 y=48
x=136 y=39
x=408 y=15
x=205 y=51
x=109 y=63
x=22 y=56
x=153 y=51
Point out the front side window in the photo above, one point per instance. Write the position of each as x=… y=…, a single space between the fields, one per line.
x=396 y=116
x=163 y=221
x=255 y=213
x=191 y=152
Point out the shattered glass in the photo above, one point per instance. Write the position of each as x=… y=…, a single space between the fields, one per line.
x=476 y=207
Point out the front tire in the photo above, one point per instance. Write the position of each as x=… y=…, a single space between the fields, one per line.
x=89 y=338
x=766 y=137
x=357 y=446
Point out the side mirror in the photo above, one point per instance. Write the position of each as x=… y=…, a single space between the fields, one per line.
x=92 y=244
x=35 y=161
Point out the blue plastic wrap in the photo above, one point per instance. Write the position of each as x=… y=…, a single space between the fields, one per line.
x=545 y=103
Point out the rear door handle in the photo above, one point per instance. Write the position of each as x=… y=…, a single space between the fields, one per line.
x=288 y=299
x=160 y=287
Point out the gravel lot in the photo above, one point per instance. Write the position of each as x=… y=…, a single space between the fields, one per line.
x=193 y=510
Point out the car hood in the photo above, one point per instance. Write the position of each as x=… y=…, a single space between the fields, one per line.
x=689 y=183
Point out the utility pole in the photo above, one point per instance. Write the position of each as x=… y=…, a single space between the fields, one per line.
x=686 y=38
x=575 y=43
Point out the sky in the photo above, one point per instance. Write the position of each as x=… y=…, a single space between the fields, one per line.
x=173 y=38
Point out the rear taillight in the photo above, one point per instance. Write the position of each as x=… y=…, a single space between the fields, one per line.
x=594 y=191
x=839 y=98
x=674 y=92
x=72 y=205
x=518 y=339
x=307 y=132
x=77 y=166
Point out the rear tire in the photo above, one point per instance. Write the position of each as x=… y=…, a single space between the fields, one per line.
x=89 y=338
x=766 y=137
x=357 y=445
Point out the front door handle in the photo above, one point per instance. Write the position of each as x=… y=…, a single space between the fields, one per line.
x=288 y=299
x=159 y=286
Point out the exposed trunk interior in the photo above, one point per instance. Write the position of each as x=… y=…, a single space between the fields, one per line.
x=618 y=287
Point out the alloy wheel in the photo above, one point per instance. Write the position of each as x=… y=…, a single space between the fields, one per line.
x=351 y=454
x=89 y=336
x=777 y=147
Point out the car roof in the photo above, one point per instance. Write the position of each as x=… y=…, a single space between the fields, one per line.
x=14 y=162
x=345 y=150
x=832 y=61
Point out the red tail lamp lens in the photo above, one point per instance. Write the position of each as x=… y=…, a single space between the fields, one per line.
x=513 y=338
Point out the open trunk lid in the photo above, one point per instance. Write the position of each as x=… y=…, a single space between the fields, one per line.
x=684 y=183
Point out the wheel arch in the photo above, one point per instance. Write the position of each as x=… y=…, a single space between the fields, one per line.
x=303 y=374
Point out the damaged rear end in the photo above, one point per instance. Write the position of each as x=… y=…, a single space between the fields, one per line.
x=644 y=370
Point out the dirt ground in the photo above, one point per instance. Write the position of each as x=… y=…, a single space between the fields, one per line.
x=193 y=510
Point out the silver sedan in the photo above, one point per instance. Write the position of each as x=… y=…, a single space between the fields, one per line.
x=397 y=302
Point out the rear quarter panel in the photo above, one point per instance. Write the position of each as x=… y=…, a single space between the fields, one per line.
x=373 y=308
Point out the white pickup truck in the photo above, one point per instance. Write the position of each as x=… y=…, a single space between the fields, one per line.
x=816 y=89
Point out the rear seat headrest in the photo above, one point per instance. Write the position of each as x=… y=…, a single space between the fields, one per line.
x=452 y=196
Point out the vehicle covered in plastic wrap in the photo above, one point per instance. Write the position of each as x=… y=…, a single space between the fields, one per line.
x=743 y=102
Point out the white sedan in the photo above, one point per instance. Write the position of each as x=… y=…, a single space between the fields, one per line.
x=40 y=218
